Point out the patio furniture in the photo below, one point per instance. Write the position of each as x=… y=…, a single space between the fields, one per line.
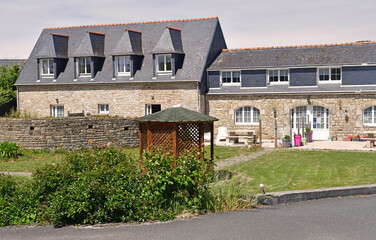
x=240 y=136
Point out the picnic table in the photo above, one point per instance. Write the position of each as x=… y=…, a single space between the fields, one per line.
x=240 y=136
x=371 y=137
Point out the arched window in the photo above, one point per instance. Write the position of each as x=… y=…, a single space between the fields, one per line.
x=247 y=115
x=369 y=116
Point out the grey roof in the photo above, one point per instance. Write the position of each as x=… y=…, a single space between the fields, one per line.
x=56 y=46
x=299 y=56
x=129 y=44
x=92 y=45
x=170 y=42
x=196 y=38
x=176 y=114
x=10 y=62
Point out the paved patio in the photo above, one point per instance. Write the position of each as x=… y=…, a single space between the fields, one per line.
x=331 y=145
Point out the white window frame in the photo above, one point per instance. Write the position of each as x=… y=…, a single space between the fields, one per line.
x=232 y=78
x=247 y=123
x=373 y=115
x=164 y=71
x=86 y=73
x=279 y=76
x=49 y=62
x=123 y=72
x=149 y=108
x=330 y=75
x=106 y=109
x=57 y=110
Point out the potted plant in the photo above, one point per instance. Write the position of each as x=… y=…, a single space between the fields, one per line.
x=297 y=140
x=308 y=135
x=286 y=141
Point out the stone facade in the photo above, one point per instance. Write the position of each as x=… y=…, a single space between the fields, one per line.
x=69 y=133
x=352 y=105
x=125 y=100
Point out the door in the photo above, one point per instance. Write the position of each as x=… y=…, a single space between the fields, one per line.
x=314 y=117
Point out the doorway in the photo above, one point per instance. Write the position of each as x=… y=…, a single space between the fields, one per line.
x=314 y=117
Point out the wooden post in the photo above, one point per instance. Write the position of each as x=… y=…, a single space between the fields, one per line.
x=140 y=126
x=260 y=132
x=212 y=142
x=201 y=134
x=175 y=136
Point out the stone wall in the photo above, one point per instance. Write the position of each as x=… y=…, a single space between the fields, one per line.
x=69 y=133
x=352 y=105
x=125 y=100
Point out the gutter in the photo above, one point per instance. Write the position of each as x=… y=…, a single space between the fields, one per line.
x=18 y=99
x=298 y=93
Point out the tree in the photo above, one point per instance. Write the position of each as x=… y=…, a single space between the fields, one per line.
x=8 y=93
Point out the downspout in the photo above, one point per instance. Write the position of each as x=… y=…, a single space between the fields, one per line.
x=18 y=99
x=198 y=97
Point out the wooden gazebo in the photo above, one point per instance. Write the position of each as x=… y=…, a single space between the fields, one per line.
x=176 y=129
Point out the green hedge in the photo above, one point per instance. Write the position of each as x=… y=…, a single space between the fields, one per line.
x=106 y=185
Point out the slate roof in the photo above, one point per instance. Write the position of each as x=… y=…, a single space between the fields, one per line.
x=10 y=62
x=297 y=56
x=176 y=114
x=196 y=39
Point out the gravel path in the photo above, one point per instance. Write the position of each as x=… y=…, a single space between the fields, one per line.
x=16 y=173
x=242 y=158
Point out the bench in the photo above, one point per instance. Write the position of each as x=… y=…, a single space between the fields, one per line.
x=370 y=142
x=240 y=136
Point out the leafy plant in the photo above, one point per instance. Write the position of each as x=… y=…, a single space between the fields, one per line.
x=287 y=137
x=9 y=150
x=308 y=130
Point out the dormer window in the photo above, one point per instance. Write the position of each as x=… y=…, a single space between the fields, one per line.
x=164 y=63
x=124 y=65
x=84 y=66
x=47 y=67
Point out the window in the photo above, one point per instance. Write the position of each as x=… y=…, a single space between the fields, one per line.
x=124 y=65
x=103 y=109
x=278 y=76
x=247 y=115
x=57 y=111
x=369 y=116
x=47 y=66
x=84 y=66
x=152 y=108
x=232 y=77
x=329 y=74
x=164 y=63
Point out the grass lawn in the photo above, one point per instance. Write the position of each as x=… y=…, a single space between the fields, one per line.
x=31 y=159
x=285 y=170
x=223 y=152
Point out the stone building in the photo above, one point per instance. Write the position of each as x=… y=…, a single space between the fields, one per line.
x=129 y=69
x=332 y=88
x=134 y=69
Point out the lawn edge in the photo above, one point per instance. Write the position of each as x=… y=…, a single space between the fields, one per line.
x=275 y=198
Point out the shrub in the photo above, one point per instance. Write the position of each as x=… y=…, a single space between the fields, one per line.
x=9 y=150
x=107 y=186
x=17 y=204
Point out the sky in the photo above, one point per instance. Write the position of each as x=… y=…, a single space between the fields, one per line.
x=245 y=23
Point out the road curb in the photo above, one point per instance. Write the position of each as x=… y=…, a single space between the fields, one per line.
x=311 y=194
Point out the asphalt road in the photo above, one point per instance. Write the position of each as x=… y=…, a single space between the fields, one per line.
x=340 y=218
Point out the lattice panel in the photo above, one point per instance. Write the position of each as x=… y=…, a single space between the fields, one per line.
x=188 y=137
x=161 y=137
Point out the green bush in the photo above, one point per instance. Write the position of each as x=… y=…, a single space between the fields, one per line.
x=9 y=150
x=17 y=204
x=107 y=186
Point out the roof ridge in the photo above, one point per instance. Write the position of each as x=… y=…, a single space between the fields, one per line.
x=133 y=23
x=300 y=46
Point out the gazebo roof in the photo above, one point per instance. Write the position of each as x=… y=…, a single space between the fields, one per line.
x=176 y=114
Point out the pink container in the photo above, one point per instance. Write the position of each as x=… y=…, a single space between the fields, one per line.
x=311 y=136
x=298 y=140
